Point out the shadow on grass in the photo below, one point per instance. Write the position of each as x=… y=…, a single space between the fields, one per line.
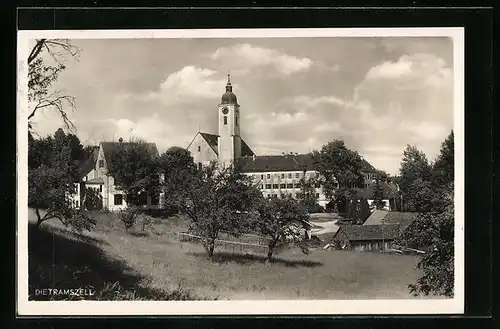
x=246 y=259
x=59 y=261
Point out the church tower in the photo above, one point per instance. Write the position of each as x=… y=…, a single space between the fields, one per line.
x=229 y=145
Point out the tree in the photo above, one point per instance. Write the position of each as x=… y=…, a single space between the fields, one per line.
x=378 y=194
x=339 y=168
x=415 y=170
x=433 y=229
x=178 y=169
x=307 y=194
x=443 y=172
x=45 y=62
x=364 y=211
x=93 y=199
x=281 y=220
x=215 y=199
x=52 y=176
x=135 y=170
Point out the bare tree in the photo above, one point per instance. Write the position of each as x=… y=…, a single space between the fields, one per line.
x=43 y=71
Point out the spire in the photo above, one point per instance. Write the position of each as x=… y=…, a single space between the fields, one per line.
x=229 y=88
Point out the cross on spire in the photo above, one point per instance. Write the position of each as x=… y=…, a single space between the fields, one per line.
x=229 y=78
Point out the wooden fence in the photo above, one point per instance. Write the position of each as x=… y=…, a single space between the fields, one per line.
x=231 y=244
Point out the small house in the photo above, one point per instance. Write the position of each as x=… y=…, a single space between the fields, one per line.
x=365 y=237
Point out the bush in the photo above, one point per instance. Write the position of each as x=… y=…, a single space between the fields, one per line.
x=129 y=217
x=93 y=199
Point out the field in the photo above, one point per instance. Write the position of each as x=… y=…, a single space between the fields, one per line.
x=154 y=265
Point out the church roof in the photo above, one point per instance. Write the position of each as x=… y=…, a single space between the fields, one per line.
x=213 y=141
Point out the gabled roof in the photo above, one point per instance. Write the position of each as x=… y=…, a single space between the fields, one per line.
x=213 y=141
x=376 y=217
x=369 y=232
x=287 y=162
x=98 y=180
x=275 y=163
x=110 y=148
x=391 y=217
x=87 y=165
x=402 y=218
x=367 y=167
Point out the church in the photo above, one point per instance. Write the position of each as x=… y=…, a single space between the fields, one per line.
x=276 y=175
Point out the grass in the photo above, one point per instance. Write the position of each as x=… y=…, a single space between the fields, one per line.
x=153 y=265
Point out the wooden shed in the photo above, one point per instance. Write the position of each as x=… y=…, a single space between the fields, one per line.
x=365 y=237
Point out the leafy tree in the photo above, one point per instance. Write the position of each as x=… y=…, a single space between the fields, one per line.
x=281 y=220
x=51 y=182
x=378 y=194
x=443 y=172
x=46 y=61
x=178 y=169
x=307 y=194
x=135 y=170
x=215 y=199
x=364 y=211
x=339 y=168
x=433 y=229
x=93 y=199
x=415 y=170
x=129 y=217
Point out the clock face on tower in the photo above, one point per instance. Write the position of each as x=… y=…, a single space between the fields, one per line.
x=225 y=110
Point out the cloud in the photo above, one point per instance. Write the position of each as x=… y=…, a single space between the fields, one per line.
x=189 y=83
x=244 y=57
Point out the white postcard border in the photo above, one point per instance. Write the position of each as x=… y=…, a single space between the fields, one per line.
x=453 y=305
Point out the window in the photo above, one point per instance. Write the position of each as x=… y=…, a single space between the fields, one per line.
x=268 y=186
x=225 y=120
x=275 y=186
x=76 y=203
x=200 y=166
x=118 y=199
x=262 y=187
x=289 y=175
x=275 y=195
x=100 y=188
x=236 y=120
x=282 y=185
x=282 y=176
x=101 y=163
x=199 y=148
x=268 y=176
x=289 y=185
x=297 y=175
x=262 y=177
x=317 y=195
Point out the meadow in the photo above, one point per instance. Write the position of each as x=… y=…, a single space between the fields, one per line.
x=154 y=265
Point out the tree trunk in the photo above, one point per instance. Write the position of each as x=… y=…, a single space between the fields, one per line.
x=209 y=247
x=269 y=254
x=39 y=217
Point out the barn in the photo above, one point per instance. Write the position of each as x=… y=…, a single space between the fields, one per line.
x=365 y=237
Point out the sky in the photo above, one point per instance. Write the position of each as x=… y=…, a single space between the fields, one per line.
x=296 y=94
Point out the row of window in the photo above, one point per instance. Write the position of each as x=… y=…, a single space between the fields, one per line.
x=283 y=175
x=283 y=186
x=297 y=195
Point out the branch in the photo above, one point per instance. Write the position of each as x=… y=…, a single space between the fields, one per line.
x=36 y=50
x=58 y=104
